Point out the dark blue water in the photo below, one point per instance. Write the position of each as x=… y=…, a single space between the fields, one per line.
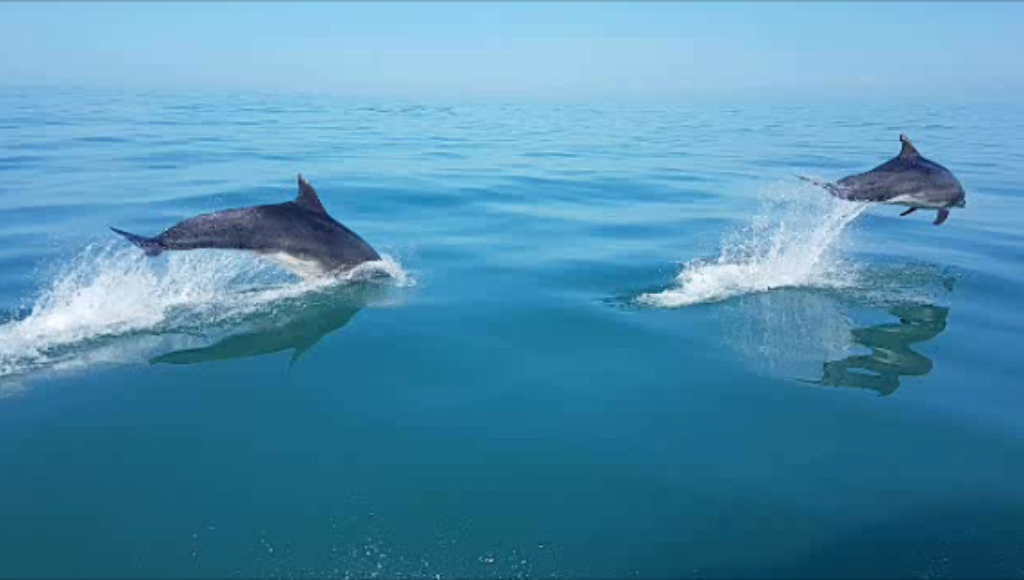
x=610 y=340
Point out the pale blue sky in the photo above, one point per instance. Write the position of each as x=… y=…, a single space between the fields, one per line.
x=656 y=50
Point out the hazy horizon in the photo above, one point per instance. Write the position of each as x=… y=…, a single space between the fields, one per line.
x=531 y=50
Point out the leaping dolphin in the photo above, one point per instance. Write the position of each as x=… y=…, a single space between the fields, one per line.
x=908 y=179
x=299 y=235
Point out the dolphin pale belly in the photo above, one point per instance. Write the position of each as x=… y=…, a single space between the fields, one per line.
x=299 y=235
x=907 y=179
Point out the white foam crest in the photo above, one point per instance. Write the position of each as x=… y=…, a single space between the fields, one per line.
x=794 y=241
x=112 y=290
x=387 y=268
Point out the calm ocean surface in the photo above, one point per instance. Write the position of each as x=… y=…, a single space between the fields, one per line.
x=613 y=340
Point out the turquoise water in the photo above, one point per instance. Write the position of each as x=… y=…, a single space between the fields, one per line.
x=611 y=340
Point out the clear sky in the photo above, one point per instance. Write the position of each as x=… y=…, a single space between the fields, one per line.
x=655 y=50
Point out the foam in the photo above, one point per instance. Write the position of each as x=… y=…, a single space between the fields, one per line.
x=112 y=291
x=794 y=241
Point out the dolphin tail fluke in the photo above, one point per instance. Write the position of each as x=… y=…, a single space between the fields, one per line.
x=826 y=185
x=151 y=246
x=943 y=214
x=908 y=212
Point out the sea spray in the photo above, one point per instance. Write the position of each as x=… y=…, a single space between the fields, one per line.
x=110 y=291
x=794 y=240
x=789 y=333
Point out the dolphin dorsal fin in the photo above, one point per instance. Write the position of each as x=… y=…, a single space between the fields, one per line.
x=908 y=151
x=308 y=199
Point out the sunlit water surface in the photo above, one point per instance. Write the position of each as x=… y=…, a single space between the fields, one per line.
x=606 y=341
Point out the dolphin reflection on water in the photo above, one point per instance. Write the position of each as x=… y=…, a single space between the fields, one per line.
x=297 y=329
x=811 y=337
x=891 y=356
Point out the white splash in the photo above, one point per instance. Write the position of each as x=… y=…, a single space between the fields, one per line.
x=112 y=290
x=794 y=241
x=387 y=268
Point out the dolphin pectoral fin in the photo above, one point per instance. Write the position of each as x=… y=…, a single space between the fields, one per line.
x=943 y=214
x=302 y=348
x=299 y=352
x=151 y=246
x=908 y=212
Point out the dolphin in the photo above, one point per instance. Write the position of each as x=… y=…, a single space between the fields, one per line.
x=907 y=179
x=298 y=235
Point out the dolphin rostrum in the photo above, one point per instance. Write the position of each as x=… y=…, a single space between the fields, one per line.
x=907 y=179
x=299 y=235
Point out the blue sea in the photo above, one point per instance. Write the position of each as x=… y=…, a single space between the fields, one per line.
x=606 y=340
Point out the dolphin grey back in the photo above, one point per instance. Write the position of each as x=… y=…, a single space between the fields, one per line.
x=301 y=231
x=909 y=174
